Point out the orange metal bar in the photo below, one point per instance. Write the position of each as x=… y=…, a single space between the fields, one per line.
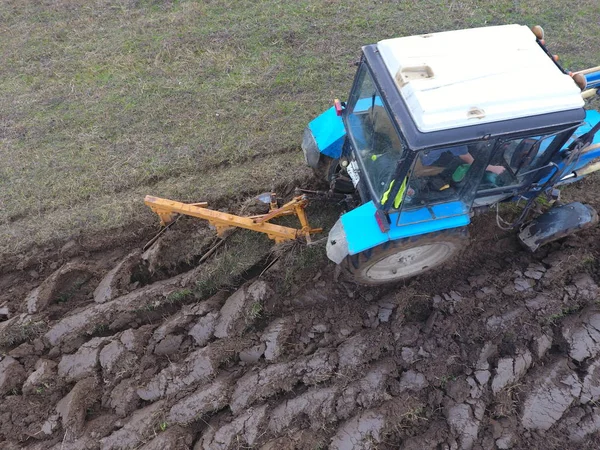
x=286 y=210
x=167 y=210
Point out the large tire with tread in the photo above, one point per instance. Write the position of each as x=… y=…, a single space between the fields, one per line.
x=404 y=258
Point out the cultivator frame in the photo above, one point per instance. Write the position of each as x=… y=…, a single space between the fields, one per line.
x=168 y=210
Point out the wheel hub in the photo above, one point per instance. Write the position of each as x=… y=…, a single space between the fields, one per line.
x=409 y=262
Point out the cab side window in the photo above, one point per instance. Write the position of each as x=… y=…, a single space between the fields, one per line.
x=447 y=174
x=519 y=157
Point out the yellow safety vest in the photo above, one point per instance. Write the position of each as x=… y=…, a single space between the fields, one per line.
x=399 y=196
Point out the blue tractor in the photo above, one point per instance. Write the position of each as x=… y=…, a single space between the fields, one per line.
x=438 y=126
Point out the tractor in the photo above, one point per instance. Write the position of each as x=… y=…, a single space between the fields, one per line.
x=436 y=128
x=440 y=126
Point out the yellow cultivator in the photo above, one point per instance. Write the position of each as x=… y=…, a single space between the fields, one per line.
x=168 y=210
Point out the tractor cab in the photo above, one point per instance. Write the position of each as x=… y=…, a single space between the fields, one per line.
x=382 y=153
x=434 y=126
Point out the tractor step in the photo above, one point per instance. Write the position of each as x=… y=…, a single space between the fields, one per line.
x=557 y=223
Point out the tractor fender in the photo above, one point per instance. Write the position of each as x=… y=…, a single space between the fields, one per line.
x=324 y=135
x=557 y=223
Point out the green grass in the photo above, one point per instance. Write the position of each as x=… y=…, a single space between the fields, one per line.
x=18 y=333
x=179 y=296
x=298 y=262
x=102 y=102
x=256 y=311
x=241 y=252
x=566 y=311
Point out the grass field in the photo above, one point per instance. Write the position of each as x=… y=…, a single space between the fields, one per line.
x=104 y=101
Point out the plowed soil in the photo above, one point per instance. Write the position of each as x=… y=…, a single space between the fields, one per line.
x=119 y=348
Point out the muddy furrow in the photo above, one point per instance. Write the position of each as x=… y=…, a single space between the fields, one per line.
x=106 y=355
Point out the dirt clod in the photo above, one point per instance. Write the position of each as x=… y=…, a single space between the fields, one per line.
x=198 y=366
x=252 y=354
x=412 y=381
x=317 y=404
x=549 y=399
x=22 y=351
x=590 y=391
x=510 y=370
x=110 y=354
x=72 y=408
x=582 y=333
x=359 y=432
x=82 y=363
x=204 y=328
x=116 y=281
x=12 y=375
x=169 y=345
x=541 y=345
x=137 y=429
x=45 y=371
x=59 y=286
x=123 y=398
x=464 y=424
x=275 y=337
x=174 y=438
x=241 y=308
x=206 y=399
x=244 y=430
x=587 y=289
x=362 y=348
x=4 y=312
x=367 y=391
x=590 y=424
x=138 y=301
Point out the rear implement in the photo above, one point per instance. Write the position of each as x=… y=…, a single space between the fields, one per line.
x=168 y=210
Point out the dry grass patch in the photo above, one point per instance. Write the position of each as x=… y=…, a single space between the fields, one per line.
x=101 y=102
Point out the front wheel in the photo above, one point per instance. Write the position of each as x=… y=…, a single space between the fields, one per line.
x=404 y=258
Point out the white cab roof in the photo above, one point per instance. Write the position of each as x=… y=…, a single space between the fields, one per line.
x=468 y=77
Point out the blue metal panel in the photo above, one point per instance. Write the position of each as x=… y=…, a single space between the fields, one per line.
x=414 y=216
x=429 y=227
x=363 y=233
x=329 y=132
x=593 y=79
x=450 y=209
x=592 y=117
x=424 y=220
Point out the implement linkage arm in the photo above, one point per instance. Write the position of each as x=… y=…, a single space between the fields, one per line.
x=167 y=210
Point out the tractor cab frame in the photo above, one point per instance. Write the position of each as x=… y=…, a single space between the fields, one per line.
x=489 y=162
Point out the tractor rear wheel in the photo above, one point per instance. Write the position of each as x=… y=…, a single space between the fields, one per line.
x=404 y=258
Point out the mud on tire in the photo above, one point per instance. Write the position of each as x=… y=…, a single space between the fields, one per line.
x=405 y=258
